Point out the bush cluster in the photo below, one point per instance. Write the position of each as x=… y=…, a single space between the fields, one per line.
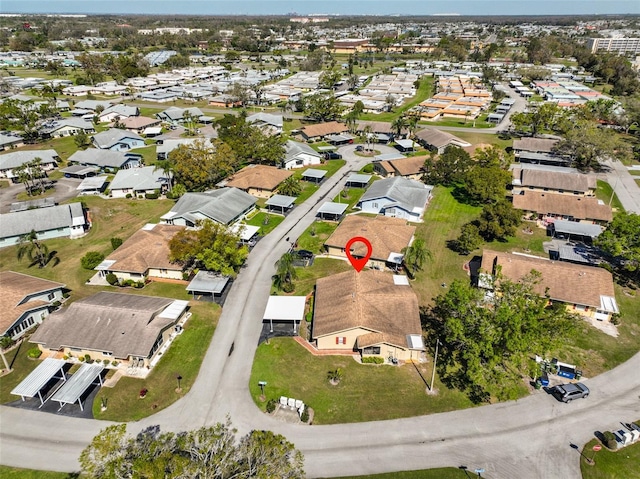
x=91 y=259
x=372 y=360
x=152 y=196
x=271 y=405
x=34 y=353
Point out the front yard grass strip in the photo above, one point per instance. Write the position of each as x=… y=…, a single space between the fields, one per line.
x=7 y=472
x=259 y=220
x=604 y=192
x=366 y=392
x=622 y=464
x=438 y=473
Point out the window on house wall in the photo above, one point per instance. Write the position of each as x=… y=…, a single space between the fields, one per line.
x=50 y=296
x=30 y=321
x=580 y=307
x=107 y=353
x=341 y=340
x=371 y=350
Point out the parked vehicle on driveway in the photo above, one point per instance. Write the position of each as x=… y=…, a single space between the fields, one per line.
x=359 y=148
x=569 y=392
x=332 y=155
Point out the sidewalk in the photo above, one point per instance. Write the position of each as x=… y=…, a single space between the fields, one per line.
x=325 y=352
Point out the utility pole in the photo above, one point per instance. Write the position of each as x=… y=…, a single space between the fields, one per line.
x=435 y=360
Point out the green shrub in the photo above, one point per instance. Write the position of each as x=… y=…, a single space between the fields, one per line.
x=610 y=440
x=91 y=259
x=65 y=357
x=112 y=279
x=288 y=287
x=115 y=243
x=81 y=358
x=304 y=417
x=139 y=284
x=128 y=195
x=114 y=363
x=105 y=362
x=271 y=405
x=5 y=342
x=56 y=304
x=34 y=353
x=152 y=196
x=372 y=360
x=128 y=282
x=87 y=357
x=368 y=168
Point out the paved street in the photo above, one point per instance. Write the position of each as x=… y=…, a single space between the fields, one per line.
x=624 y=184
x=65 y=188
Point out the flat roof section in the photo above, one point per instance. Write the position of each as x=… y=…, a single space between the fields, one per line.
x=389 y=157
x=330 y=208
x=246 y=232
x=174 y=310
x=573 y=228
x=314 y=173
x=39 y=377
x=92 y=183
x=281 y=201
x=208 y=282
x=285 y=308
x=75 y=387
x=358 y=178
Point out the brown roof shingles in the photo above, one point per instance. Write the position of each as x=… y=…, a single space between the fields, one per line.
x=566 y=282
x=557 y=181
x=369 y=300
x=323 y=129
x=387 y=235
x=576 y=206
x=15 y=288
x=409 y=166
x=258 y=176
x=146 y=248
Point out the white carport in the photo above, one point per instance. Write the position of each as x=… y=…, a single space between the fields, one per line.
x=72 y=391
x=32 y=385
x=285 y=309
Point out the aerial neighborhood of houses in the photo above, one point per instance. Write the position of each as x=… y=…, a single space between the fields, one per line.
x=476 y=173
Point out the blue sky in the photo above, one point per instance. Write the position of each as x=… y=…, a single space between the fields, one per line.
x=349 y=7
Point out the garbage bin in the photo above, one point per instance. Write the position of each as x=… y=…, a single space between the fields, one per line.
x=544 y=379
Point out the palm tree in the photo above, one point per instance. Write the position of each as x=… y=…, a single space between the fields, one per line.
x=285 y=273
x=367 y=133
x=415 y=256
x=398 y=125
x=37 y=252
x=167 y=170
x=24 y=177
x=290 y=187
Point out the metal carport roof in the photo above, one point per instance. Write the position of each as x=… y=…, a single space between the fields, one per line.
x=75 y=387
x=208 y=282
x=330 y=208
x=38 y=378
x=313 y=173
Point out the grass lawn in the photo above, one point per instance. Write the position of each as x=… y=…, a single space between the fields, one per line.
x=486 y=138
x=322 y=230
x=604 y=192
x=322 y=267
x=183 y=358
x=65 y=146
x=479 y=123
x=366 y=393
x=350 y=196
x=110 y=218
x=259 y=220
x=442 y=222
x=21 y=365
x=439 y=473
x=622 y=464
x=18 y=473
x=148 y=153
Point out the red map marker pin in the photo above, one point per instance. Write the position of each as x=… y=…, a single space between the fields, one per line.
x=358 y=263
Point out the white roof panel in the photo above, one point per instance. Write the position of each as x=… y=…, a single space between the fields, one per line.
x=75 y=387
x=400 y=280
x=174 y=310
x=285 y=308
x=38 y=378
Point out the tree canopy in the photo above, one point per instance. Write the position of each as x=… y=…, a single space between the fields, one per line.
x=448 y=168
x=486 y=339
x=211 y=452
x=621 y=240
x=200 y=166
x=322 y=107
x=212 y=246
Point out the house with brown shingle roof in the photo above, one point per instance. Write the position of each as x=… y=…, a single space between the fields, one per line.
x=113 y=326
x=566 y=181
x=387 y=235
x=145 y=255
x=320 y=130
x=410 y=167
x=372 y=312
x=585 y=290
x=549 y=207
x=261 y=181
x=25 y=302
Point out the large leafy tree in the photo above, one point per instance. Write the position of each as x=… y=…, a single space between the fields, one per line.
x=211 y=246
x=249 y=143
x=200 y=166
x=486 y=184
x=621 y=240
x=486 y=340
x=498 y=221
x=449 y=168
x=212 y=452
x=588 y=145
x=322 y=107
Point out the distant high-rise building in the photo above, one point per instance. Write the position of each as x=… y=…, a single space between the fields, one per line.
x=619 y=45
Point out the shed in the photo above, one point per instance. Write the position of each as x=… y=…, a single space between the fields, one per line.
x=285 y=309
x=332 y=211
x=280 y=203
x=313 y=175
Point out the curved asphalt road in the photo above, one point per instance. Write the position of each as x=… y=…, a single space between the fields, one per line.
x=525 y=439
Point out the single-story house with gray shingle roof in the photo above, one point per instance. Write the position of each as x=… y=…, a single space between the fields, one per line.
x=117 y=140
x=225 y=206
x=176 y=115
x=66 y=127
x=439 y=140
x=114 y=326
x=299 y=155
x=118 y=112
x=10 y=141
x=397 y=197
x=167 y=146
x=267 y=121
x=106 y=159
x=92 y=104
x=13 y=160
x=53 y=222
x=138 y=182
